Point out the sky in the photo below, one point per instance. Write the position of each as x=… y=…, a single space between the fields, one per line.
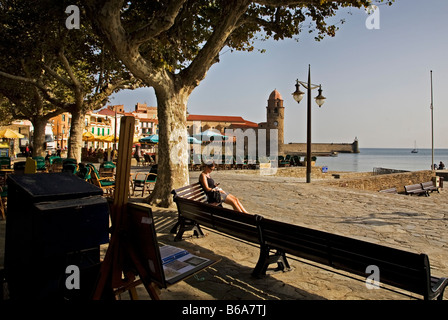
x=377 y=81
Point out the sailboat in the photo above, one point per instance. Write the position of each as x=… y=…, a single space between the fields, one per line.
x=415 y=150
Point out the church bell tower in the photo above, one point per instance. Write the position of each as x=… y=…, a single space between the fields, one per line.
x=275 y=117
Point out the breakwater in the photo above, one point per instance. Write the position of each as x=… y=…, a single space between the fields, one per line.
x=321 y=148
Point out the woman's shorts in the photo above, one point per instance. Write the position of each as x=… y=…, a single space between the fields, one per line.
x=223 y=196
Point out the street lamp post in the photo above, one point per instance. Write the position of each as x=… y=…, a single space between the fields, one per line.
x=320 y=99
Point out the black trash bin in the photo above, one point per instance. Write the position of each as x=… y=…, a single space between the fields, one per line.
x=54 y=220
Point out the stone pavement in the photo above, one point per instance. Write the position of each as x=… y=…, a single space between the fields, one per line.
x=417 y=224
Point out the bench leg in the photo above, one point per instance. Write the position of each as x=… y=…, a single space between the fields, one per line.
x=267 y=259
x=187 y=225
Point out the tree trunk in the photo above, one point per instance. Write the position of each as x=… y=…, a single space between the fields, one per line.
x=39 y=124
x=173 y=148
x=76 y=130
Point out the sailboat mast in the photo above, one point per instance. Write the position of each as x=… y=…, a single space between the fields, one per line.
x=432 y=126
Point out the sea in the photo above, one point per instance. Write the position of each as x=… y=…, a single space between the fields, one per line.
x=388 y=158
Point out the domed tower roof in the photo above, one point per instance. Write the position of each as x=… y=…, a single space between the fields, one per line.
x=275 y=95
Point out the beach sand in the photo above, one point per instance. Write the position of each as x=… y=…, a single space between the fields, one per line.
x=417 y=224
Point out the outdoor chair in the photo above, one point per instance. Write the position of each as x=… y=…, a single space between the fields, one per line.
x=19 y=167
x=107 y=184
x=56 y=164
x=148 y=159
x=296 y=161
x=69 y=165
x=51 y=159
x=84 y=172
x=107 y=169
x=143 y=181
x=40 y=163
x=5 y=163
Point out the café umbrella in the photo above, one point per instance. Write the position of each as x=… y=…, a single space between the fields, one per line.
x=88 y=136
x=207 y=134
x=193 y=140
x=150 y=139
x=10 y=134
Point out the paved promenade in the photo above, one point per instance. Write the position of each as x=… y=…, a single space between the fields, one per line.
x=417 y=224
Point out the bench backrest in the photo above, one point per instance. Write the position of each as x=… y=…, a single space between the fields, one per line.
x=413 y=187
x=406 y=270
x=193 y=192
x=428 y=184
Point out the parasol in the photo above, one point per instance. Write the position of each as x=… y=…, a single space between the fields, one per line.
x=10 y=134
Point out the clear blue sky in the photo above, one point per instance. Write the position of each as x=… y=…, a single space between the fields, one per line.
x=377 y=82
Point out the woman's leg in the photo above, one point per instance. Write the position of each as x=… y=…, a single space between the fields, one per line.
x=235 y=203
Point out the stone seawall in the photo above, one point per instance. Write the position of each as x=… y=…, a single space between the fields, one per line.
x=292 y=148
x=386 y=181
x=355 y=180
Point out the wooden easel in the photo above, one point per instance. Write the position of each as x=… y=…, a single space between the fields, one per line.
x=123 y=261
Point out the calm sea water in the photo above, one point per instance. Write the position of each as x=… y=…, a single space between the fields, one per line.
x=369 y=158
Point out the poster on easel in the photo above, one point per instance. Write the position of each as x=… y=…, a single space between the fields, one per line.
x=179 y=263
x=165 y=264
x=144 y=240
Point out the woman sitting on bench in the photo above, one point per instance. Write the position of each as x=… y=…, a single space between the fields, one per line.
x=209 y=185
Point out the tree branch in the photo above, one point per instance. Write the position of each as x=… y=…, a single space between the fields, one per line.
x=75 y=82
x=209 y=54
x=282 y=3
x=57 y=76
x=107 y=20
x=162 y=22
x=37 y=83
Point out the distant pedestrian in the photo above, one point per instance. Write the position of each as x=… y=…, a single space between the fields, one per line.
x=58 y=151
x=441 y=166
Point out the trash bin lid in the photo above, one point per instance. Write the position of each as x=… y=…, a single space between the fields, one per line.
x=53 y=186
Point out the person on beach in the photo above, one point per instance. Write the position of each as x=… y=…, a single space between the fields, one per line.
x=441 y=166
x=209 y=185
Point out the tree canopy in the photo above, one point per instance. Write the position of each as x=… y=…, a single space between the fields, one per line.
x=47 y=68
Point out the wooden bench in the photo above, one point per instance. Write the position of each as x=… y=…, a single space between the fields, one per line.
x=429 y=186
x=402 y=269
x=416 y=189
x=390 y=190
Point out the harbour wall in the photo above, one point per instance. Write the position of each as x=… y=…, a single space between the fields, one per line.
x=321 y=148
x=386 y=181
